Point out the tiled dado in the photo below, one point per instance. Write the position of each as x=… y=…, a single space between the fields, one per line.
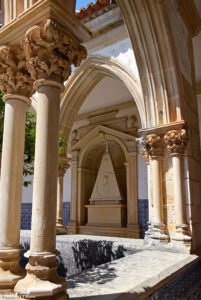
x=27 y=212
x=142 y=214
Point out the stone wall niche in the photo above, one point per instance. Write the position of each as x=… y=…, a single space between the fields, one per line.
x=104 y=201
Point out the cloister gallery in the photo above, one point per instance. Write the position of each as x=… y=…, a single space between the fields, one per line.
x=121 y=81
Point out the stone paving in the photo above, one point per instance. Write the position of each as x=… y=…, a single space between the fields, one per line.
x=128 y=277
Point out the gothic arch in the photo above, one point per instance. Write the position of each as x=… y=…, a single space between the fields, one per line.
x=151 y=38
x=90 y=73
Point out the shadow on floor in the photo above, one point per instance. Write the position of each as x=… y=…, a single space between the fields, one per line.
x=99 y=275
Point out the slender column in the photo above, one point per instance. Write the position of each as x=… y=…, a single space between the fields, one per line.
x=63 y=166
x=176 y=141
x=16 y=99
x=132 y=205
x=157 y=228
x=145 y=155
x=72 y=226
x=50 y=51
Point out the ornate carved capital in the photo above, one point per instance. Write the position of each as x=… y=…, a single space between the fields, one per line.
x=176 y=141
x=144 y=149
x=153 y=145
x=14 y=77
x=50 y=51
x=64 y=164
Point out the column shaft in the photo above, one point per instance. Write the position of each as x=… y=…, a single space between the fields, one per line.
x=132 y=205
x=60 y=180
x=150 y=202
x=156 y=180
x=176 y=141
x=176 y=162
x=11 y=188
x=43 y=234
x=72 y=226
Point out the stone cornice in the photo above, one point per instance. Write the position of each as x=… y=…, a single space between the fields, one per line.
x=161 y=129
x=46 y=9
x=113 y=108
x=190 y=15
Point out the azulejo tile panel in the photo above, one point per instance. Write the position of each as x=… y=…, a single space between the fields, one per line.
x=27 y=213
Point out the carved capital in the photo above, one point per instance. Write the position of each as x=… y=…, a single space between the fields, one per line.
x=64 y=164
x=144 y=149
x=14 y=77
x=176 y=141
x=153 y=145
x=50 y=51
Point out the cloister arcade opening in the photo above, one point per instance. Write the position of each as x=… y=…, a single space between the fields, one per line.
x=129 y=123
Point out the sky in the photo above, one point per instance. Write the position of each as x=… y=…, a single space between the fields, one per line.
x=83 y=3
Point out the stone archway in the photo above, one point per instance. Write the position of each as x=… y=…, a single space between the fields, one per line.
x=90 y=73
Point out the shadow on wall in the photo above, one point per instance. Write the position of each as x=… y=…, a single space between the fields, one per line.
x=89 y=253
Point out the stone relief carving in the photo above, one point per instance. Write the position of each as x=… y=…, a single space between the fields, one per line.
x=14 y=77
x=50 y=51
x=106 y=187
x=176 y=140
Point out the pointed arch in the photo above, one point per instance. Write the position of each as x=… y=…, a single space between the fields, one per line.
x=149 y=31
x=89 y=74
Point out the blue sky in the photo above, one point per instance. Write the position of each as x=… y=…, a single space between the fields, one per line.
x=83 y=3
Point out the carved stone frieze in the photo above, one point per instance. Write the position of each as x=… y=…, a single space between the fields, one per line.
x=14 y=77
x=176 y=141
x=50 y=51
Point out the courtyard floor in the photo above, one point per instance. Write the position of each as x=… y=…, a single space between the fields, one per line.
x=141 y=274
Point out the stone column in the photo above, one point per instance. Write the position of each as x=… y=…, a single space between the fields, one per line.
x=63 y=166
x=16 y=86
x=145 y=155
x=132 y=202
x=72 y=225
x=50 y=51
x=157 y=228
x=176 y=141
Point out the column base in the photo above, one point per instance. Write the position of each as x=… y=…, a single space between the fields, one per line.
x=182 y=235
x=72 y=227
x=157 y=232
x=60 y=227
x=42 y=280
x=10 y=270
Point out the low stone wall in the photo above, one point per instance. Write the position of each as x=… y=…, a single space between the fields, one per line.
x=79 y=252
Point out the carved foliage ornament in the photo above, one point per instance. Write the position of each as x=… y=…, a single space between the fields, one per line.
x=144 y=149
x=152 y=144
x=14 y=77
x=50 y=52
x=176 y=141
x=63 y=164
